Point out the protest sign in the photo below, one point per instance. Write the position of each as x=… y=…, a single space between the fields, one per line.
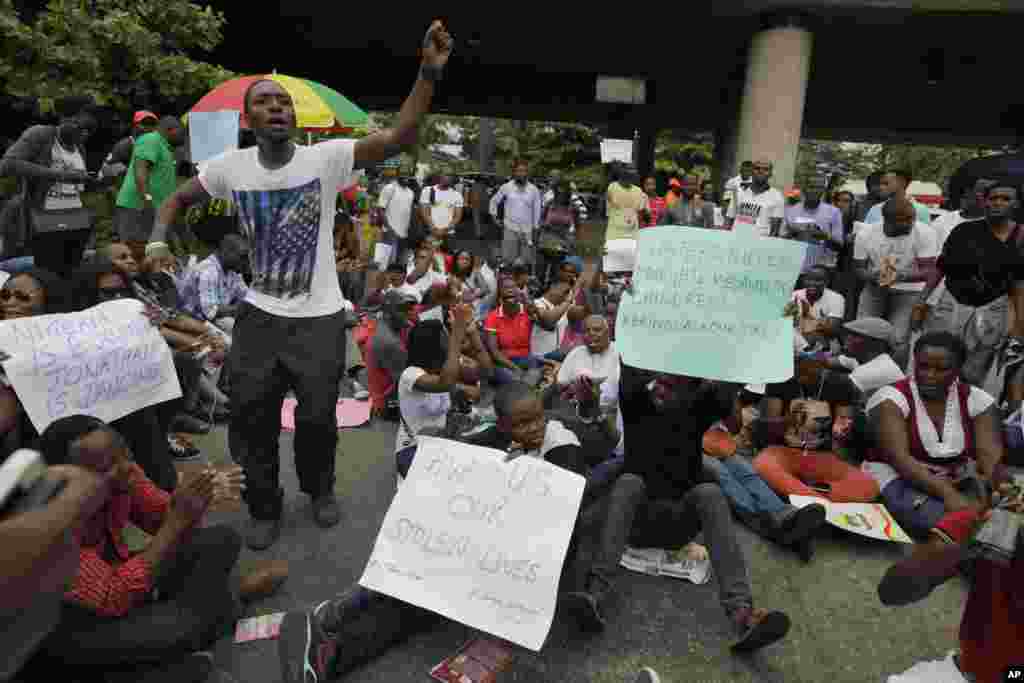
x=107 y=362
x=616 y=150
x=477 y=539
x=211 y=133
x=709 y=303
x=867 y=519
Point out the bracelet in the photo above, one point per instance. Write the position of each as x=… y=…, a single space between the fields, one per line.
x=432 y=73
x=155 y=246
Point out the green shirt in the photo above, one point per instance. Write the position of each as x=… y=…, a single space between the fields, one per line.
x=163 y=172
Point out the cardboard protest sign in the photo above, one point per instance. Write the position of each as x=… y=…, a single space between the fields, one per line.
x=107 y=362
x=867 y=519
x=709 y=303
x=477 y=539
x=211 y=133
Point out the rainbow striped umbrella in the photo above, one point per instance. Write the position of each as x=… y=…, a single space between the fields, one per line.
x=317 y=107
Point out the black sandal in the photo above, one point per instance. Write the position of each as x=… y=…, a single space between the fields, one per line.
x=770 y=628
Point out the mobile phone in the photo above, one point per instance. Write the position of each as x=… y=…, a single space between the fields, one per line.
x=23 y=485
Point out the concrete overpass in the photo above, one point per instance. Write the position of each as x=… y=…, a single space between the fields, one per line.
x=760 y=74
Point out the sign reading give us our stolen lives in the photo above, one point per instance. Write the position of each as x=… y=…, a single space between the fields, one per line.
x=107 y=361
x=709 y=303
x=477 y=539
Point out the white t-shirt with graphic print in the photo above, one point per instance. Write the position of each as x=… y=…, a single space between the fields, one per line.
x=753 y=212
x=62 y=196
x=288 y=216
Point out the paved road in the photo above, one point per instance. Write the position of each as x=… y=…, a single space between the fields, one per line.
x=841 y=633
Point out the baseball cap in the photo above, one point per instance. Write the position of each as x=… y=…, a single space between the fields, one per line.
x=872 y=328
x=674 y=183
x=141 y=116
x=793 y=193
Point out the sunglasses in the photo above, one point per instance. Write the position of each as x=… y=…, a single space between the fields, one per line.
x=8 y=294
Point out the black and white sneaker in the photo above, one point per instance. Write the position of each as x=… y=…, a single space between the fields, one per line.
x=305 y=650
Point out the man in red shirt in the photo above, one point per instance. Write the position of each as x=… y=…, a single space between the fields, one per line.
x=386 y=351
x=508 y=329
x=154 y=607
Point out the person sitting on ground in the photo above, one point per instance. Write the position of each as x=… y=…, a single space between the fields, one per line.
x=868 y=345
x=507 y=332
x=214 y=290
x=432 y=374
x=425 y=275
x=384 y=347
x=802 y=420
x=665 y=418
x=992 y=627
x=819 y=311
x=727 y=447
x=31 y=293
x=551 y=321
x=201 y=342
x=928 y=429
x=174 y=597
x=342 y=633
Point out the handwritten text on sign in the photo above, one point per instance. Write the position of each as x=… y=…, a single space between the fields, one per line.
x=709 y=304
x=107 y=362
x=478 y=540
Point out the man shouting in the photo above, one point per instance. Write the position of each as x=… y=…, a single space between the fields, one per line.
x=290 y=333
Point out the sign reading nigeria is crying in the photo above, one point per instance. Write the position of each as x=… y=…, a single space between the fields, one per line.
x=709 y=303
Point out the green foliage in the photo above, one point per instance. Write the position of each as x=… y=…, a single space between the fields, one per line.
x=121 y=52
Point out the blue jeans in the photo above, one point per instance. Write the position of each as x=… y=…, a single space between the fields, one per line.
x=746 y=490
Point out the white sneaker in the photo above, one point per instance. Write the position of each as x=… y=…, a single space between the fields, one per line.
x=359 y=392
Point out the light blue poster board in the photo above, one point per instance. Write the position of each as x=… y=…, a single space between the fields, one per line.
x=709 y=303
x=211 y=133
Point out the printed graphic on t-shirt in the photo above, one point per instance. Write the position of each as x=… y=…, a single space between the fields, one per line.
x=749 y=213
x=284 y=227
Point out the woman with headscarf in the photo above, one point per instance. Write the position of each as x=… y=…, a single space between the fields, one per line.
x=50 y=163
x=154 y=607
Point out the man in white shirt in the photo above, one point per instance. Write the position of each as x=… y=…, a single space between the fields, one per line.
x=290 y=334
x=441 y=207
x=867 y=345
x=425 y=278
x=820 y=310
x=894 y=185
x=759 y=209
x=894 y=260
x=742 y=181
x=396 y=201
x=522 y=206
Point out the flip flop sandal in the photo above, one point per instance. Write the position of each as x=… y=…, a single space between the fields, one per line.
x=771 y=627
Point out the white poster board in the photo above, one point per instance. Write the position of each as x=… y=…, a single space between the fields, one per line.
x=477 y=539
x=616 y=150
x=867 y=519
x=107 y=361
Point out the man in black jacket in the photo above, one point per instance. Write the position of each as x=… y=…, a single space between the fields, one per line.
x=665 y=417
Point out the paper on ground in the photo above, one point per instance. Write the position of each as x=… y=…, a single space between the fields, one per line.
x=349 y=413
x=478 y=540
x=265 y=627
x=107 y=361
x=867 y=519
x=663 y=562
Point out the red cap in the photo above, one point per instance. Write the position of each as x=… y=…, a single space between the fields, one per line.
x=674 y=183
x=140 y=116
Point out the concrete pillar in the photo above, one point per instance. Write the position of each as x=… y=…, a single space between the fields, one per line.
x=772 y=108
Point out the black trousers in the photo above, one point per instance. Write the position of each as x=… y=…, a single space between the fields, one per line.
x=270 y=355
x=197 y=607
x=147 y=438
x=60 y=252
